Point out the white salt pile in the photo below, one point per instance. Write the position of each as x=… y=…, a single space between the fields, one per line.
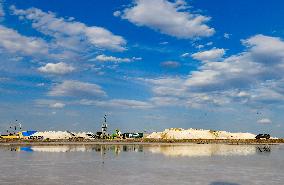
x=62 y=135
x=179 y=133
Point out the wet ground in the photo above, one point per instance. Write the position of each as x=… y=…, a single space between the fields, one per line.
x=209 y=164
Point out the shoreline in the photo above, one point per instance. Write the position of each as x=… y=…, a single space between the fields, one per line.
x=142 y=142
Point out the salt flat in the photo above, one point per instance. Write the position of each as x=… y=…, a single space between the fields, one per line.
x=212 y=164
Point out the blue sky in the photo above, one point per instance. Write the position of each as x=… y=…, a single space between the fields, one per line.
x=148 y=64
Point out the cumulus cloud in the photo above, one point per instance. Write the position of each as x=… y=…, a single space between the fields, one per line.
x=69 y=33
x=104 y=58
x=16 y=46
x=77 y=89
x=13 y=42
x=253 y=77
x=170 y=64
x=58 y=68
x=210 y=55
x=172 y=91
x=264 y=121
x=245 y=69
x=171 y=18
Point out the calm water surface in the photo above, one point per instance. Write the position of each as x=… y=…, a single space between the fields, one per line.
x=209 y=164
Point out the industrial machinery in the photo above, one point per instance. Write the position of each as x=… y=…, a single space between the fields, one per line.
x=104 y=134
x=117 y=135
x=15 y=132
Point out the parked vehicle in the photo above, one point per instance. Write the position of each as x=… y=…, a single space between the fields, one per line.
x=262 y=136
x=132 y=135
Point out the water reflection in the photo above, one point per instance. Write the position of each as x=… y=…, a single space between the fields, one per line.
x=223 y=183
x=117 y=149
x=191 y=150
x=208 y=150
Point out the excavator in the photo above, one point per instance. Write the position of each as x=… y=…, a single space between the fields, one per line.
x=117 y=135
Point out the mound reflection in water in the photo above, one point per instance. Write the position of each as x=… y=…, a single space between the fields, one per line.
x=189 y=150
x=205 y=150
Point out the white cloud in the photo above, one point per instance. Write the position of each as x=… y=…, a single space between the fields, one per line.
x=116 y=13
x=210 y=55
x=77 y=89
x=40 y=84
x=185 y=55
x=13 y=42
x=166 y=101
x=58 y=68
x=254 y=77
x=118 y=103
x=264 y=121
x=68 y=33
x=57 y=105
x=16 y=46
x=263 y=62
x=164 y=43
x=209 y=43
x=170 y=64
x=172 y=91
x=49 y=103
x=266 y=50
x=171 y=18
x=104 y=58
x=168 y=86
x=227 y=35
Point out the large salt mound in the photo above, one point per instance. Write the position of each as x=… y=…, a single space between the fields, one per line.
x=179 y=133
x=61 y=134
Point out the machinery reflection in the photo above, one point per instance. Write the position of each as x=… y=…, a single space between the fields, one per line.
x=100 y=148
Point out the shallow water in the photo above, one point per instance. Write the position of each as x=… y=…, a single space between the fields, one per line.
x=206 y=164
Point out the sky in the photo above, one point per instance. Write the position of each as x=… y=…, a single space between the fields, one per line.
x=147 y=64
